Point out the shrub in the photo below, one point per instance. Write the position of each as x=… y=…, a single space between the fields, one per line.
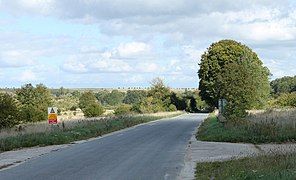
x=93 y=110
x=123 y=110
x=286 y=100
x=172 y=107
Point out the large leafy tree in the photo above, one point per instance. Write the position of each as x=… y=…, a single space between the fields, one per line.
x=231 y=70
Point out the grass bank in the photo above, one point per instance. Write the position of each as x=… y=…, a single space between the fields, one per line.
x=260 y=130
x=269 y=167
x=85 y=130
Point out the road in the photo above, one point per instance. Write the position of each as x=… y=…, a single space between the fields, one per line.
x=154 y=150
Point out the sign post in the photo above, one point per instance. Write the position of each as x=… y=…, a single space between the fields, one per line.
x=52 y=115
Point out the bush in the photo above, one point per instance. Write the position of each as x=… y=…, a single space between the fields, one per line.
x=8 y=111
x=123 y=109
x=93 y=110
x=286 y=100
x=172 y=108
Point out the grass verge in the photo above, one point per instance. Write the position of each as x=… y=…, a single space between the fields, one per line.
x=249 y=132
x=65 y=136
x=269 y=167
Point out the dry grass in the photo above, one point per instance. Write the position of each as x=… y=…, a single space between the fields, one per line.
x=65 y=122
x=277 y=116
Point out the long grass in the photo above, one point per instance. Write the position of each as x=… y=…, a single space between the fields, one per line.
x=79 y=130
x=265 y=127
x=269 y=167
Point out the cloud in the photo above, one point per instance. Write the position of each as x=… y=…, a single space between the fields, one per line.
x=28 y=76
x=131 y=49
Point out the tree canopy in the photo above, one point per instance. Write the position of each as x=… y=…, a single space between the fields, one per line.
x=34 y=102
x=232 y=71
x=285 y=84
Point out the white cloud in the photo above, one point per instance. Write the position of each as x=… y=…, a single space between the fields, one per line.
x=132 y=49
x=28 y=76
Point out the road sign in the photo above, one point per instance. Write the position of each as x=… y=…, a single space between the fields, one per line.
x=52 y=115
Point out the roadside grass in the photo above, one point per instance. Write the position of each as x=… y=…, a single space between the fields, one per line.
x=269 y=167
x=265 y=127
x=80 y=131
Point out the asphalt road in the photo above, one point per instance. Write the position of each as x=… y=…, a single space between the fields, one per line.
x=151 y=151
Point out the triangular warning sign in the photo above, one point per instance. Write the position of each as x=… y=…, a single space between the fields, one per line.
x=52 y=111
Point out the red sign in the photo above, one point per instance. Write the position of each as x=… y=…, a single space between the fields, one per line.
x=52 y=119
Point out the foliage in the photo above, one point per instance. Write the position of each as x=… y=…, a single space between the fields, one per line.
x=172 y=108
x=283 y=85
x=102 y=96
x=239 y=86
x=123 y=109
x=151 y=105
x=8 y=111
x=281 y=166
x=113 y=98
x=34 y=102
x=189 y=101
x=93 y=110
x=89 y=105
x=286 y=100
x=158 y=98
x=229 y=55
x=160 y=91
x=134 y=96
x=86 y=99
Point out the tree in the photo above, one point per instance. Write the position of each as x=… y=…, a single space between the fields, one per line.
x=220 y=72
x=123 y=109
x=34 y=102
x=8 y=111
x=86 y=99
x=115 y=97
x=134 y=96
x=285 y=84
x=151 y=105
x=89 y=105
x=93 y=110
x=160 y=92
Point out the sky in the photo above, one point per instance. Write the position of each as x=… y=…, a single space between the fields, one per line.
x=127 y=43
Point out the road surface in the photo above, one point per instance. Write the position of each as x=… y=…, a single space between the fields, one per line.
x=154 y=150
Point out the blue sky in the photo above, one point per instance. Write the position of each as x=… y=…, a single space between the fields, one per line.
x=116 y=43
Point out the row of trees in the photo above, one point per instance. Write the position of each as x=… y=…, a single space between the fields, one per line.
x=158 y=98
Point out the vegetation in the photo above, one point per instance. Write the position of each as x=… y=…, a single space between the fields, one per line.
x=8 y=111
x=113 y=98
x=267 y=167
x=283 y=85
x=232 y=71
x=89 y=105
x=265 y=127
x=123 y=109
x=34 y=102
x=134 y=97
